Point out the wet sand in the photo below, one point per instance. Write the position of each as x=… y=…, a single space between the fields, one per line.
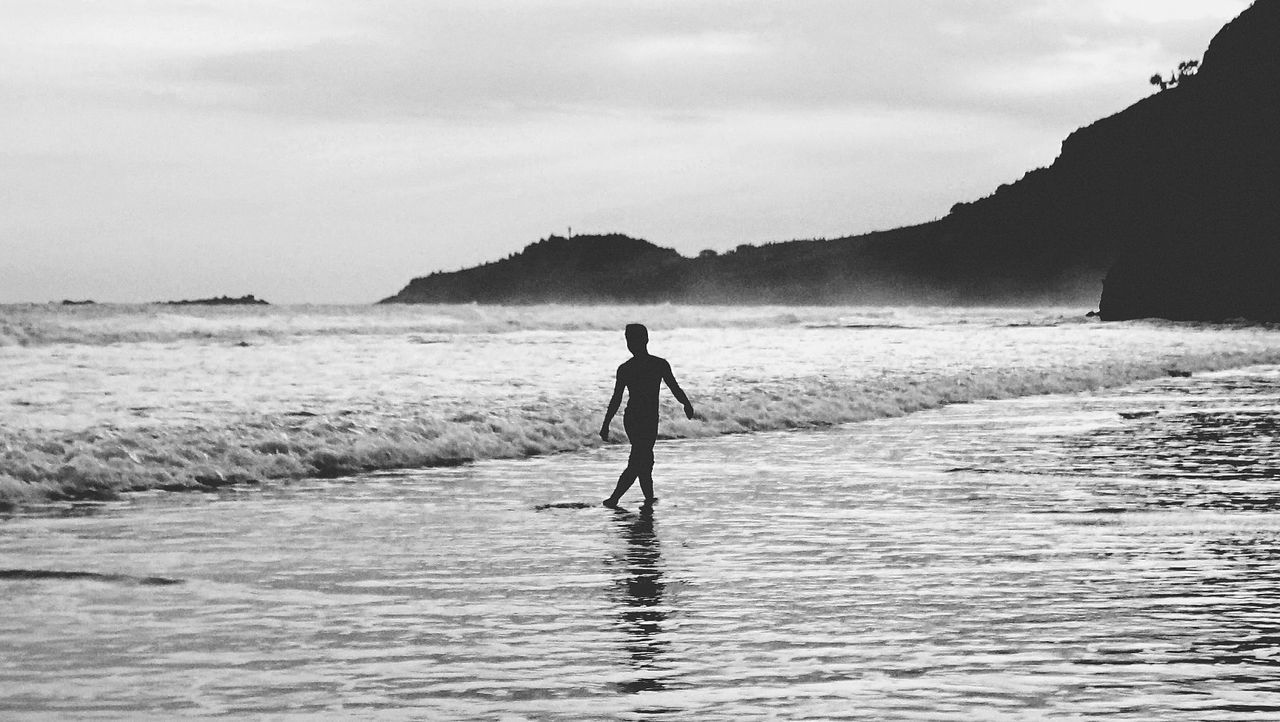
x=1035 y=557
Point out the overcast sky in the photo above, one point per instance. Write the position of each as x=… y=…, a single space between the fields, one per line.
x=328 y=151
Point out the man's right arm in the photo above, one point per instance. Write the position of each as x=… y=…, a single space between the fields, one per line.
x=614 y=403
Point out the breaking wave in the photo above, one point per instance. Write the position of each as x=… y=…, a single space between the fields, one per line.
x=38 y=465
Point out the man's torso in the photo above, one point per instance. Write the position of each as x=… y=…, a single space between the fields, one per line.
x=643 y=376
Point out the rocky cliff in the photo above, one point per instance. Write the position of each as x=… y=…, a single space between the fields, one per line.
x=1201 y=167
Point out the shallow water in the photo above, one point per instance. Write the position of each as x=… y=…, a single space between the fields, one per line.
x=1025 y=558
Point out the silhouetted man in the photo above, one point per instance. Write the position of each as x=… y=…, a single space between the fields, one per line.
x=642 y=377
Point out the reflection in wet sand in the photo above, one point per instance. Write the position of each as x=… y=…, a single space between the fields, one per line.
x=641 y=612
x=1189 y=436
x=1242 y=612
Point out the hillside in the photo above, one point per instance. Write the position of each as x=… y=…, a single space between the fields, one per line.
x=583 y=269
x=1173 y=200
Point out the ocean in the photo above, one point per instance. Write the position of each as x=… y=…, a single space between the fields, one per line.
x=391 y=511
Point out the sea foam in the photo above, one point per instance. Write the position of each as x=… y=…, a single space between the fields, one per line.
x=93 y=420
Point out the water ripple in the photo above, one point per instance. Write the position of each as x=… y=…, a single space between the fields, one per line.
x=1033 y=558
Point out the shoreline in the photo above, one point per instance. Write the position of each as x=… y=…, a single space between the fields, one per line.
x=342 y=456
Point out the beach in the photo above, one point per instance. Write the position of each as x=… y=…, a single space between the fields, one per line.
x=1089 y=536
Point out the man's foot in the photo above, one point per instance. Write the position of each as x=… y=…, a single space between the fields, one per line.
x=611 y=503
x=650 y=501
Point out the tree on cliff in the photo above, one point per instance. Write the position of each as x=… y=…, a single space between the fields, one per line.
x=1186 y=69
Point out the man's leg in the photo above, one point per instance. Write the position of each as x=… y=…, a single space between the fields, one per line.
x=624 y=482
x=644 y=464
x=646 y=485
x=643 y=434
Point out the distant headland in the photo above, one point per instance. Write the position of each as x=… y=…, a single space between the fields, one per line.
x=248 y=300
x=1170 y=208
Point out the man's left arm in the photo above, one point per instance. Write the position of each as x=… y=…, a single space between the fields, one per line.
x=669 y=377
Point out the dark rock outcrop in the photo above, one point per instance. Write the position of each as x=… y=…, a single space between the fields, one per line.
x=1176 y=200
x=248 y=300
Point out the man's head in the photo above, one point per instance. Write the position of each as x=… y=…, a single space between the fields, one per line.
x=637 y=338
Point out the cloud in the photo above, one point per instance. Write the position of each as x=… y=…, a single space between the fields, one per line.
x=493 y=60
x=140 y=134
x=489 y=61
